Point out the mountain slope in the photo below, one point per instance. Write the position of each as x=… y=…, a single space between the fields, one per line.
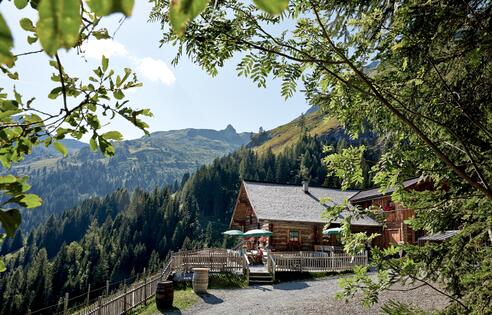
x=278 y=139
x=162 y=158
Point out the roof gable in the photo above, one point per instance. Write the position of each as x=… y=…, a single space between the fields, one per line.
x=290 y=203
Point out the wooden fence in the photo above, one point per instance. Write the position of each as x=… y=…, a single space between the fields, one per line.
x=217 y=260
x=316 y=261
x=130 y=298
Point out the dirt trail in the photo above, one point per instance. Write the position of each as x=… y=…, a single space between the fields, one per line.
x=303 y=297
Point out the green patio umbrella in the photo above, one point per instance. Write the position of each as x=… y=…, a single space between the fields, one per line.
x=257 y=233
x=332 y=231
x=233 y=233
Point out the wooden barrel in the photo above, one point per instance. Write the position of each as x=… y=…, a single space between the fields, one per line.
x=164 y=295
x=200 y=280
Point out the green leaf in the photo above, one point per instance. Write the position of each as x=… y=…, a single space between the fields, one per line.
x=13 y=76
x=106 y=147
x=181 y=12
x=273 y=7
x=6 y=43
x=113 y=135
x=20 y=4
x=34 y=4
x=101 y=34
x=106 y=7
x=61 y=148
x=93 y=144
x=118 y=94
x=27 y=200
x=11 y=219
x=2 y=266
x=27 y=25
x=8 y=179
x=104 y=63
x=58 y=24
x=55 y=93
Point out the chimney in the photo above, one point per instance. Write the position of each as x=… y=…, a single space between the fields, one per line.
x=305 y=186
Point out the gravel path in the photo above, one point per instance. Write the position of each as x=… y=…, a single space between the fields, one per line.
x=303 y=297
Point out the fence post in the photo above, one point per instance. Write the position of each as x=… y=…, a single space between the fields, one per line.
x=145 y=289
x=65 y=304
x=124 y=296
x=107 y=287
x=99 y=305
x=88 y=295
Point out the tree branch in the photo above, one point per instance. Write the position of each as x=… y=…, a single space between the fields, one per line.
x=29 y=53
x=443 y=157
x=62 y=80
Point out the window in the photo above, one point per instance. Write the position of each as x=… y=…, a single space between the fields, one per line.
x=294 y=236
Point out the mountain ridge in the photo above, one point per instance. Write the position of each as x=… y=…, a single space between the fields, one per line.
x=160 y=159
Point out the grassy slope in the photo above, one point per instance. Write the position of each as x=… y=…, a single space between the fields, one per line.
x=183 y=299
x=286 y=135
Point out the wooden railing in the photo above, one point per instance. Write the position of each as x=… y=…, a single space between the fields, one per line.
x=129 y=298
x=246 y=267
x=316 y=262
x=217 y=260
x=271 y=265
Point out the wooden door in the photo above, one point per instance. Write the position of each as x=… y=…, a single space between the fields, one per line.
x=392 y=236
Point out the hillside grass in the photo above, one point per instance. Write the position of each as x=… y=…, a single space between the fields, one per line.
x=287 y=135
x=183 y=299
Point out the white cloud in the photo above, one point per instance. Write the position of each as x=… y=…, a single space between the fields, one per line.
x=150 y=68
x=96 y=48
x=156 y=70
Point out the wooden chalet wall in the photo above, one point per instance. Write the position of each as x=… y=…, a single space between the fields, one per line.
x=395 y=230
x=243 y=217
x=310 y=234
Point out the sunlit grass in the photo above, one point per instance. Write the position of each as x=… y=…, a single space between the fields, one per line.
x=287 y=135
x=183 y=299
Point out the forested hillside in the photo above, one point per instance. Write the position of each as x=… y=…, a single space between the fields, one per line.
x=151 y=161
x=115 y=237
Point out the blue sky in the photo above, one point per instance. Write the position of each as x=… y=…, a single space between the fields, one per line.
x=180 y=97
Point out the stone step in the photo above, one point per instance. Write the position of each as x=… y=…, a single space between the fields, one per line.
x=259 y=274
x=260 y=278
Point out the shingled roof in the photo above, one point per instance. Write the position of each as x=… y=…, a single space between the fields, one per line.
x=373 y=193
x=290 y=203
